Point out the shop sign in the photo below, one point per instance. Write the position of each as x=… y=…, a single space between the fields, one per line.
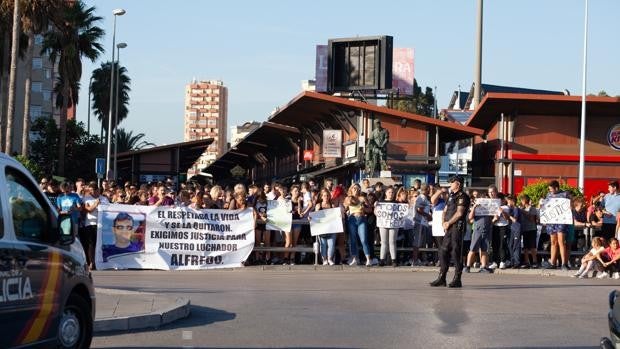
x=308 y=155
x=350 y=150
x=613 y=137
x=332 y=143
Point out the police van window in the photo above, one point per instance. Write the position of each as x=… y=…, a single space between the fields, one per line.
x=30 y=220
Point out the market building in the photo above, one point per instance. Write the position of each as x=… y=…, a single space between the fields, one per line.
x=315 y=136
x=528 y=137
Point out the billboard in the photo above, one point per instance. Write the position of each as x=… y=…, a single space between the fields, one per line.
x=363 y=63
x=402 y=69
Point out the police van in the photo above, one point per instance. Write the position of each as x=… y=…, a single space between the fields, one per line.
x=46 y=290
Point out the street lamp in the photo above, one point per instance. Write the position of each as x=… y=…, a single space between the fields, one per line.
x=119 y=46
x=90 y=87
x=116 y=13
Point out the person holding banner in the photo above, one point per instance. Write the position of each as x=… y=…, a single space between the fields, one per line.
x=262 y=235
x=557 y=232
x=388 y=235
x=356 y=207
x=327 y=241
x=292 y=237
x=454 y=220
x=481 y=231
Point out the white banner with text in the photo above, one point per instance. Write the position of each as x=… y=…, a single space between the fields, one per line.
x=172 y=238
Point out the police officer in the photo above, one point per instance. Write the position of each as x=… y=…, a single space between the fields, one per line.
x=454 y=219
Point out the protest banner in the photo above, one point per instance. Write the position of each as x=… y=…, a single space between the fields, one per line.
x=327 y=221
x=487 y=207
x=391 y=215
x=437 y=223
x=556 y=211
x=279 y=215
x=172 y=238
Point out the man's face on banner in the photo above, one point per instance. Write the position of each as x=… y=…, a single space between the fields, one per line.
x=123 y=230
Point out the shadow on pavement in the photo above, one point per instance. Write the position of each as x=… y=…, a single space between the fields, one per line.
x=508 y=287
x=198 y=316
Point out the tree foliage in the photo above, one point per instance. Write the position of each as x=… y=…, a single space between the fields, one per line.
x=127 y=141
x=80 y=154
x=101 y=93
x=539 y=189
x=420 y=103
x=30 y=165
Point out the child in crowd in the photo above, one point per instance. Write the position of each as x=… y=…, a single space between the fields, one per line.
x=612 y=254
x=592 y=260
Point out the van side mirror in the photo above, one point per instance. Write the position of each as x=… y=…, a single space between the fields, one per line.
x=66 y=230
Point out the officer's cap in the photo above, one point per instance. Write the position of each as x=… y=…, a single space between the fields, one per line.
x=456 y=178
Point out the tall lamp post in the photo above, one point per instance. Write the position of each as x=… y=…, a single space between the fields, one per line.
x=90 y=90
x=116 y=13
x=119 y=46
x=582 y=131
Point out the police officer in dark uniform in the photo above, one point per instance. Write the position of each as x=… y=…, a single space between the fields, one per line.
x=454 y=219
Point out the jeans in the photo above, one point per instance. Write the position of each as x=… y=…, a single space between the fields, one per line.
x=328 y=241
x=515 y=247
x=357 y=228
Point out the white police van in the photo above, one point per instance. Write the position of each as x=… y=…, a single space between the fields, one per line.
x=46 y=290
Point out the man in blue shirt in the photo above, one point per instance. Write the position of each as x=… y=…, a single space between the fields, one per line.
x=611 y=207
x=69 y=203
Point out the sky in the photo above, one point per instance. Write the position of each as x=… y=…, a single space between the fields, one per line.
x=262 y=50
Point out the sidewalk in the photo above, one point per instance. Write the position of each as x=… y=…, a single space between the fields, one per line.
x=120 y=310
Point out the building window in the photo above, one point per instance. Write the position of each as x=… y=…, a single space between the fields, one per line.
x=47 y=95
x=48 y=73
x=35 y=112
x=212 y=123
x=38 y=39
x=37 y=86
x=37 y=63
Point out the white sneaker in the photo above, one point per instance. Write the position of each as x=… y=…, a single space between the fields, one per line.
x=493 y=266
x=331 y=262
x=616 y=275
x=353 y=261
x=325 y=262
x=502 y=265
x=602 y=275
x=583 y=276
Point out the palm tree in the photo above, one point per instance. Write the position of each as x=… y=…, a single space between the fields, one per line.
x=129 y=141
x=74 y=37
x=35 y=20
x=101 y=94
x=12 y=77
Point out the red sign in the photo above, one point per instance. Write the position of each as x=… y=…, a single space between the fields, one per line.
x=613 y=137
x=308 y=155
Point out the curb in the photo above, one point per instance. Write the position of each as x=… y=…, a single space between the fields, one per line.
x=180 y=310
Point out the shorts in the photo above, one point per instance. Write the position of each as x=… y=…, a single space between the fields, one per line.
x=479 y=241
x=529 y=239
x=419 y=235
x=556 y=228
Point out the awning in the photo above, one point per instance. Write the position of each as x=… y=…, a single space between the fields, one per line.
x=266 y=142
x=317 y=111
x=401 y=166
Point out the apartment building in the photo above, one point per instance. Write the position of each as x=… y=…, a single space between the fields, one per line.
x=206 y=116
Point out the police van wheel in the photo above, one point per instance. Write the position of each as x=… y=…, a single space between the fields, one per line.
x=76 y=324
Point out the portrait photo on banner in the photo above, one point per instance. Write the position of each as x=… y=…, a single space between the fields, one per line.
x=121 y=233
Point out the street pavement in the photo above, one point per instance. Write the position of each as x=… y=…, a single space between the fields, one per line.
x=356 y=307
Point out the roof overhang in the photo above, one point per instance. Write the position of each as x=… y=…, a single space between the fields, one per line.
x=494 y=104
x=313 y=110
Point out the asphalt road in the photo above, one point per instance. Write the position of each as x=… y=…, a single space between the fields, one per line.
x=380 y=308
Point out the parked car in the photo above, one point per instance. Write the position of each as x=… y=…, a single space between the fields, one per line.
x=46 y=289
x=613 y=318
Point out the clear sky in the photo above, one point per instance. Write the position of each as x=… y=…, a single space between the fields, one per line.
x=263 y=49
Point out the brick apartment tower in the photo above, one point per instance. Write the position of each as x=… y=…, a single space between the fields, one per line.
x=206 y=116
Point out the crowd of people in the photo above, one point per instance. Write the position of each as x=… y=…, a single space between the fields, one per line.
x=511 y=238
